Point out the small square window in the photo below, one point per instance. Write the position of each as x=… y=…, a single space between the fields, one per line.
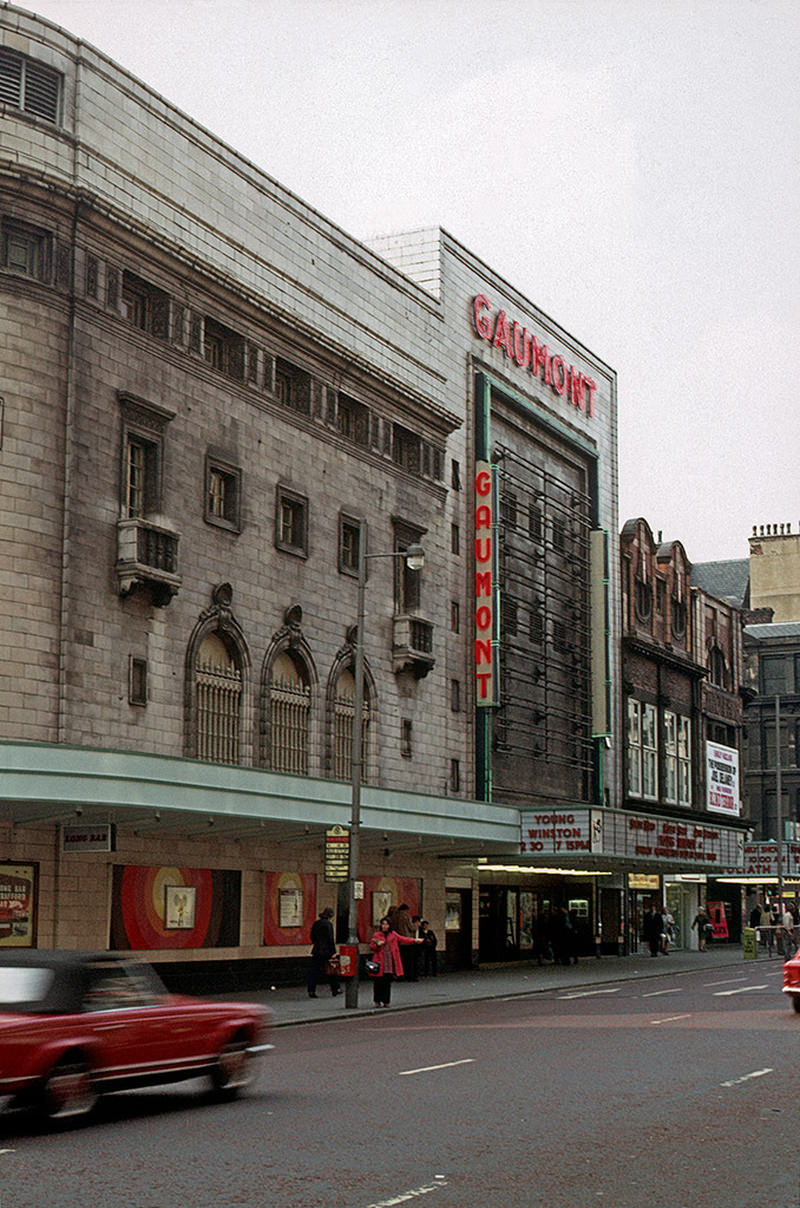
x=223 y=495
x=352 y=419
x=349 y=543
x=145 y=306
x=137 y=681
x=26 y=250
x=291 y=522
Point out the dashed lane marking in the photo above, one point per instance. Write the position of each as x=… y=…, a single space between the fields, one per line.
x=413 y=1193
x=747 y=1077
x=670 y=1019
x=741 y=990
x=588 y=993
x=446 y=1065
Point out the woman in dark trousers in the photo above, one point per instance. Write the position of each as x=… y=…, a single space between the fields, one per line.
x=323 y=947
x=429 y=942
x=385 y=945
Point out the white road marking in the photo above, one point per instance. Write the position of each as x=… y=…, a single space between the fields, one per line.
x=588 y=993
x=670 y=1019
x=412 y=1194
x=426 y=1069
x=657 y=993
x=746 y=1077
x=741 y=990
x=729 y=981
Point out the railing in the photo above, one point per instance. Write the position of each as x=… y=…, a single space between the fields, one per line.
x=777 y=941
x=412 y=645
x=147 y=555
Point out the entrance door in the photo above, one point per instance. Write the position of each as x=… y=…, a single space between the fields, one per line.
x=611 y=920
x=458 y=929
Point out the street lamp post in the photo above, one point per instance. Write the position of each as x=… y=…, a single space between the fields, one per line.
x=415 y=558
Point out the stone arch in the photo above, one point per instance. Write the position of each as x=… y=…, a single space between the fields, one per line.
x=217 y=686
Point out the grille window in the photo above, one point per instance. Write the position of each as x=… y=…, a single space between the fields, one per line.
x=29 y=86
x=219 y=691
x=290 y=708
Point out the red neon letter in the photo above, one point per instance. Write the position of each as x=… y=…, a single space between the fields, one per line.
x=482 y=323
x=483 y=549
x=483 y=483
x=591 y=386
x=483 y=516
x=483 y=583
x=502 y=336
x=521 y=355
x=484 y=679
x=558 y=370
x=483 y=619
x=483 y=651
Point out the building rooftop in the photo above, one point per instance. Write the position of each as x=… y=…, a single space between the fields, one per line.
x=726 y=580
x=783 y=629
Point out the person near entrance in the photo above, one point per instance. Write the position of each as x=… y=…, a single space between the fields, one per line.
x=323 y=947
x=429 y=942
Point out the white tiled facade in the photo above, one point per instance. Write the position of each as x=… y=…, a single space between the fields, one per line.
x=122 y=183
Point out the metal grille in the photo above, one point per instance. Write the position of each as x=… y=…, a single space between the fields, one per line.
x=343 y=710
x=219 y=695
x=29 y=86
x=545 y=707
x=290 y=708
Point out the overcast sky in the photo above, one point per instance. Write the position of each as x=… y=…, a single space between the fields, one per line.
x=629 y=165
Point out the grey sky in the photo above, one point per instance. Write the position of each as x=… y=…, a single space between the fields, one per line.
x=630 y=165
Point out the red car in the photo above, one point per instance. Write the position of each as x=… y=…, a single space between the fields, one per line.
x=791 y=980
x=74 y=1025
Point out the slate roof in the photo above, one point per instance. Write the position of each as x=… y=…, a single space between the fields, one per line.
x=725 y=580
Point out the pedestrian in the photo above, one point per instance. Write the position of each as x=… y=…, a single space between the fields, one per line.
x=789 y=944
x=429 y=942
x=669 y=929
x=767 y=933
x=385 y=945
x=323 y=947
x=655 y=931
x=703 y=924
x=561 y=936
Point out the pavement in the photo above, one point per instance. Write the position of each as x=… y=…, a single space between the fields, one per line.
x=292 y=1005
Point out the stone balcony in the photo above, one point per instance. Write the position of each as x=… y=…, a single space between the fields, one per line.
x=412 y=645
x=147 y=559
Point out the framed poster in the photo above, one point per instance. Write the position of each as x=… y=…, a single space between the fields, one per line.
x=18 y=902
x=452 y=917
x=381 y=901
x=179 y=907
x=290 y=908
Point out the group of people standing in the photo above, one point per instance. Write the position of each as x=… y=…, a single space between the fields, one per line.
x=777 y=928
x=658 y=929
x=397 y=928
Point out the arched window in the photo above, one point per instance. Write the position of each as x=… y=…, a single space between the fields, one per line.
x=717 y=668
x=343 y=714
x=218 y=689
x=290 y=712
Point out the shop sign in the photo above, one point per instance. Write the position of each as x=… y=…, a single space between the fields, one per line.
x=722 y=780
x=523 y=348
x=761 y=860
x=79 y=839
x=632 y=836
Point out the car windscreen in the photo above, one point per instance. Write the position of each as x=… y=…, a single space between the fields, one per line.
x=24 y=988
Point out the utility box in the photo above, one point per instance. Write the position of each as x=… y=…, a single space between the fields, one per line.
x=348 y=960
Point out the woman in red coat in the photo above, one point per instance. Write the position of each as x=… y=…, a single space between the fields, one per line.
x=385 y=945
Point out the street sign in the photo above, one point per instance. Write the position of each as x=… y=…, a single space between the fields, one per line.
x=337 y=853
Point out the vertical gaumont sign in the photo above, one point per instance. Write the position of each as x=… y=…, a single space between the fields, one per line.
x=485 y=588
x=524 y=349
x=722 y=780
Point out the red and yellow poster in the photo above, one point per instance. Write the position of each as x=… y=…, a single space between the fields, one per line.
x=17 y=905
x=168 y=907
x=290 y=907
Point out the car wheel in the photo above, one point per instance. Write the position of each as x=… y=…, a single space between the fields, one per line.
x=234 y=1069
x=68 y=1090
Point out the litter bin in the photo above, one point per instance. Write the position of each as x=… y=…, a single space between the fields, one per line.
x=749 y=944
x=348 y=960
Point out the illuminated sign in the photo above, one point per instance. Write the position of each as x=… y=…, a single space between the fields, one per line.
x=486 y=689
x=522 y=347
x=722 y=780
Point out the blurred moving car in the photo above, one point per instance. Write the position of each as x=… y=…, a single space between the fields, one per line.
x=75 y=1025
x=791 y=980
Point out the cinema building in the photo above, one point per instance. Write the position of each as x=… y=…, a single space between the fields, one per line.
x=217 y=408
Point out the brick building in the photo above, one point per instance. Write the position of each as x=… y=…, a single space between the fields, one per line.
x=682 y=675
x=212 y=398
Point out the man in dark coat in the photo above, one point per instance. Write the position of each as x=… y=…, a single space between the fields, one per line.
x=323 y=947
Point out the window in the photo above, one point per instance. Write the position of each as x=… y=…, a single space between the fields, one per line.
x=455 y=616
x=145 y=306
x=141 y=477
x=455 y=475
x=352 y=420
x=407 y=581
x=537 y=623
x=343 y=714
x=536 y=522
x=224 y=349
x=218 y=683
x=684 y=761
x=349 y=543
x=455 y=539
x=774 y=674
x=455 y=776
x=291 y=522
x=223 y=494
x=508 y=509
x=406 y=449
x=406 y=747
x=670 y=758
x=455 y=696
x=644 y=600
x=290 y=711
x=717 y=669
x=642 y=750
x=137 y=681
x=26 y=250
x=678 y=618
x=293 y=387
x=29 y=86
x=509 y=617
